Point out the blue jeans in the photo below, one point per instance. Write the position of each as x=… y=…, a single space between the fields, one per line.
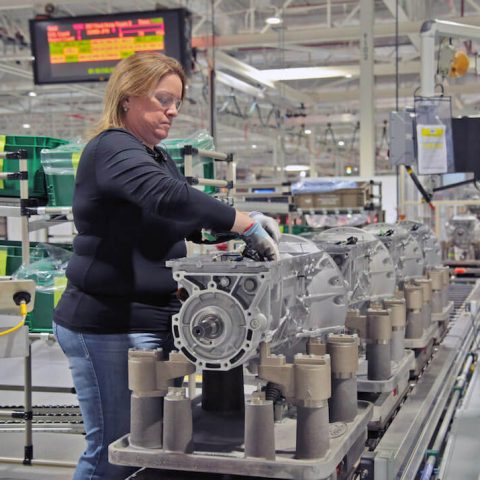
x=99 y=366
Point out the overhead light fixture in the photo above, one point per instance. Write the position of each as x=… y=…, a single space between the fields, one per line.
x=304 y=73
x=307 y=131
x=238 y=84
x=254 y=146
x=341 y=143
x=26 y=125
x=296 y=168
x=348 y=75
x=32 y=94
x=275 y=20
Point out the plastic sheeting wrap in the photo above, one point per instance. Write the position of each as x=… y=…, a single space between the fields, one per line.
x=62 y=160
x=232 y=304
x=320 y=185
x=49 y=272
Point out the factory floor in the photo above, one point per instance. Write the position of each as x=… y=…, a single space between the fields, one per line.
x=49 y=368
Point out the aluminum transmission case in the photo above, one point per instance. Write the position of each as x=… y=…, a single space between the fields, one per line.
x=405 y=250
x=463 y=231
x=235 y=303
x=364 y=261
x=432 y=251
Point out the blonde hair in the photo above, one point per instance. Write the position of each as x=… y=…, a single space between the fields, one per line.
x=136 y=75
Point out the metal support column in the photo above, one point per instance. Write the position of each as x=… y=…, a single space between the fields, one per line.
x=367 y=80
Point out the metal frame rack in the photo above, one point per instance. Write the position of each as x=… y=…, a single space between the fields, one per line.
x=24 y=208
x=282 y=202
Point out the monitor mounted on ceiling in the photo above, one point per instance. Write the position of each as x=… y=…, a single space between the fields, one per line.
x=87 y=48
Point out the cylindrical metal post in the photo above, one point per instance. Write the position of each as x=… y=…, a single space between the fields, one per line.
x=343 y=351
x=312 y=390
x=446 y=285
x=379 y=334
x=146 y=421
x=313 y=437
x=177 y=423
x=259 y=427
x=414 y=303
x=316 y=346
x=426 y=285
x=436 y=276
x=398 y=315
x=28 y=454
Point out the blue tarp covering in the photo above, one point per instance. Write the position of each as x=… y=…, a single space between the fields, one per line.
x=320 y=185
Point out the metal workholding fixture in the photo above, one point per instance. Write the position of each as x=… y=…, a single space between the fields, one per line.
x=398 y=314
x=259 y=427
x=149 y=378
x=146 y=417
x=146 y=421
x=343 y=351
x=379 y=334
x=436 y=276
x=312 y=391
x=426 y=285
x=446 y=284
x=142 y=367
x=316 y=346
x=414 y=302
x=356 y=322
x=178 y=423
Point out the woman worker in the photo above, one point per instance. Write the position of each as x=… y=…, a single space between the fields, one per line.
x=133 y=211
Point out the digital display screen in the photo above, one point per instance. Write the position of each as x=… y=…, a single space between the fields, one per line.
x=82 y=49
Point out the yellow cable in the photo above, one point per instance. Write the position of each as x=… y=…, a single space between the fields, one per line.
x=13 y=329
x=23 y=313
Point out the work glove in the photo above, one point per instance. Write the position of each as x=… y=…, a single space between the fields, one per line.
x=260 y=242
x=268 y=223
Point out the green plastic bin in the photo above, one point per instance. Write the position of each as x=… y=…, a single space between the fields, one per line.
x=39 y=320
x=36 y=177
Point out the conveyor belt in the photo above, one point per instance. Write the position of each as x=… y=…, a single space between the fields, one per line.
x=45 y=414
x=458 y=293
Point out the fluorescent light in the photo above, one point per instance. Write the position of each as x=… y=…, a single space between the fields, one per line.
x=341 y=143
x=296 y=168
x=278 y=74
x=238 y=84
x=32 y=94
x=273 y=20
x=348 y=75
x=307 y=131
x=26 y=125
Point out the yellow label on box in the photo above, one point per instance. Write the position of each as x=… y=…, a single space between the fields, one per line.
x=59 y=283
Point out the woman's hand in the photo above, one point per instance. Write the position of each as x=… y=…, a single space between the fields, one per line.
x=268 y=223
x=258 y=240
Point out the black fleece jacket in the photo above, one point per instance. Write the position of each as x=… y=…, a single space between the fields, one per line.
x=133 y=210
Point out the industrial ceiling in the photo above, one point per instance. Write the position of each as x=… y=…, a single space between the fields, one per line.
x=263 y=121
